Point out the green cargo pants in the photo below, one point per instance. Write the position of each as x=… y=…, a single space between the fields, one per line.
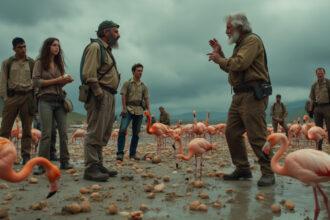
x=246 y=114
x=99 y=128
x=14 y=106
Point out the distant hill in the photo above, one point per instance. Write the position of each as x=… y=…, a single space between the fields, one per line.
x=295 y=109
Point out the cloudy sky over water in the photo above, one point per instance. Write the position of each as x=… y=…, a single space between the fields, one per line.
x=170 y=38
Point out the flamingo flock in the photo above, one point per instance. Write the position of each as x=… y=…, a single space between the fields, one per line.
x=309 y=166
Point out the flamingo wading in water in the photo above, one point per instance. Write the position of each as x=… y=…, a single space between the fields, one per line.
x=307 y=165
x=7 y=158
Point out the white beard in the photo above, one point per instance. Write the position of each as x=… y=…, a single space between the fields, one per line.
x=234 y=38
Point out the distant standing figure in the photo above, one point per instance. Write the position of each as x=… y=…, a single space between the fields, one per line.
x=279 y=113
x=320 y=98
x=164 y=117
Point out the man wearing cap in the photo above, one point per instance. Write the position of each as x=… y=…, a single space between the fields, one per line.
x=135 y=99
x=164 y=117
x=320 y=98
x=248 y=75
x=278 y=113
x=99 y=72
x=17 y=91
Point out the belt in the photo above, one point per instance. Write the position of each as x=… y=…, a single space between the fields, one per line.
x=13 y=92
x=322 y=104
x=51 y=98
x=241 y=89
x=134 y=103
x=109 y=89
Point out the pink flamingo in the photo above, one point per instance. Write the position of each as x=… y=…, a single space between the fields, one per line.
x=199 y=128
x=307 y=165
x=36 y=137
x=317 y=134
x=197 y=147
x=114 y=134
x=7 y=158
x=78 y=134
x=160 y=130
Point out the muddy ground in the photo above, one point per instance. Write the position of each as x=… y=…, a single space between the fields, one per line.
x=224 y=200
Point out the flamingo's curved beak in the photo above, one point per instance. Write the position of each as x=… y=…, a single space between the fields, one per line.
x=266 y=148
x=53 y=189
x=50 y=194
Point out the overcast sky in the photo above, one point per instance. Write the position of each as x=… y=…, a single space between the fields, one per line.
x=170 y=38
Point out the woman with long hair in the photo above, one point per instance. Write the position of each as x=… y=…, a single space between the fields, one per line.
x=49 y=78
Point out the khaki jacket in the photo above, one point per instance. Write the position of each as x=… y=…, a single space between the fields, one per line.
x=247 y=63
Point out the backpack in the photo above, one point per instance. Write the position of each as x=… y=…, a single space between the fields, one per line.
x=102 y=58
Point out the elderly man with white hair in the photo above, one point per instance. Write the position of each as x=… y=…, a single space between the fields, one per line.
x=248 y=75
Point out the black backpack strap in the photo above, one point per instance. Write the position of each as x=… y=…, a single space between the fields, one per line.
x=102 y=59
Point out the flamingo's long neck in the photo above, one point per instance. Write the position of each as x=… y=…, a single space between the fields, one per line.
x=180 y=150
x=186 y=157
x=148 y=124
x=276 y=167
x=207 y=119
x=15 y=177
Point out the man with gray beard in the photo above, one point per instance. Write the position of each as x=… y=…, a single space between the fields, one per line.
x=99 y=72
x=248 y=75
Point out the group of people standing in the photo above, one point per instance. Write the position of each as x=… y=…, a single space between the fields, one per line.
x=23 y=79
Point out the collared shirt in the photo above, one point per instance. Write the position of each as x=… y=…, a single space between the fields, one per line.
x=164 y=118
x=247 y=62
x=39 y=75
x=278 y=111
x=135 y=92
x=19 y=76
x=92 y=66
x=321 y=92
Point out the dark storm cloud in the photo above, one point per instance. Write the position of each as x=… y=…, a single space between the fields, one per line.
x=31 y=12
x=170 y=38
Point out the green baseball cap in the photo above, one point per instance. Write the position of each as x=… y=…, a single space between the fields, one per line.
x=107 y=24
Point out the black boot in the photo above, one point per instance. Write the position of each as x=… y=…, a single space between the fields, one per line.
x=111 y=173
x=66 y=166
x=93 y=173
x=266 y=180
x=238 y=174
x=120 y=157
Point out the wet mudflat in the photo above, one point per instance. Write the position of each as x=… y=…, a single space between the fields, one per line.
x=159 y=190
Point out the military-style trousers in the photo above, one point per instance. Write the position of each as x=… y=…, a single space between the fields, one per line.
x=246 y=114
x=282 y=123
x=322 y=114
x=14 y=106
x=51 y=111
x=99 y=128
